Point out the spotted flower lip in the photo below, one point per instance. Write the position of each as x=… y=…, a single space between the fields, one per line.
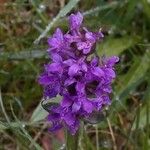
x=84 y=84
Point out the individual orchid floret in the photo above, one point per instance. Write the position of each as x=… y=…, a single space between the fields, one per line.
x=75 y=21
x=57 y=40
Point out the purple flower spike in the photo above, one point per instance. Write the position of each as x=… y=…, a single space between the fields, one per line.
x=84 y=84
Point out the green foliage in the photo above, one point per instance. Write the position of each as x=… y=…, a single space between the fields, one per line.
x=114 y=46
x=126 y=27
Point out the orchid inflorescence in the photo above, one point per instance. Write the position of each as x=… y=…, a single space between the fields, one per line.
x=77 y=74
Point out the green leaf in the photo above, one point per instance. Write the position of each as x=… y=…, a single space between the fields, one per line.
x=142 y=118
x=40 y=113
x=2 y=126
x=144 y=114
x=146 y=8
x=116 y=46
x=68 y=7
x=130 y=13
x=13 y=125
x=47 y=105
x=26 y=54
x=131 y=80
x=135 y=74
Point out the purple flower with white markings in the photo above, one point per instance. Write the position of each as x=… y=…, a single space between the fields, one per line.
x=77 y=74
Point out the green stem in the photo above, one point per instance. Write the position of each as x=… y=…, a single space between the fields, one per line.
x=72 y=141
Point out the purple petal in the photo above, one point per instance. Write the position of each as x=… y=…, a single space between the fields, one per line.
x=59 y=34
x=95 y=61
x=97 y=102
x=110 y=73
x=44 y=79
x=84 y=67
x=107 y=88
x=69 y=119
x=97 y=71
x=69 y=62
x=85 y=46
x=98 y=35
x=75 y=21
x=111 y=61
x=89 y=76
x=106 y=100
x=51 y=90
x=55 y=126
x=73 y=70
x=87 y=106
x=86 y=50
x=89 y=36
x=66 y=102
x=80 y=87
x=53 y=42
x=54 y=67
x=53 y=117
x=69 y=81
x=57 y=39
x=76 y=106
x=71 y=39
x=51 y=50
x=56 y=58
x=81 y=45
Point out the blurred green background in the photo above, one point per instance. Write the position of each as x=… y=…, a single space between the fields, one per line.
x=126 y=25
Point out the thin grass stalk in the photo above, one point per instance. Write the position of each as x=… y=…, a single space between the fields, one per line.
x=72 y=141
x=147 y=122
